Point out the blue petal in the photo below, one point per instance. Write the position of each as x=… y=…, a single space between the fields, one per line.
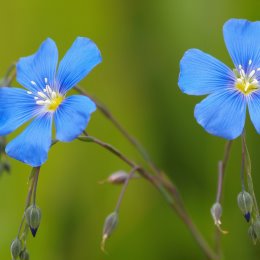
x=202 y=74
x=242 y=40
x=253 y=101
x=33 y=144
x=17 y=107
x=222 y=113
x=79 y=60
x=72 y=116
x=38 y=67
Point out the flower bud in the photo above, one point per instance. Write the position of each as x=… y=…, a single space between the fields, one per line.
x=33 y=218
x=109 y=226
x=216 y=212
x=245 y=203
x=256 y=226
x=16 y=248
x=252 y=234
x=118 y=177
x=24 y=255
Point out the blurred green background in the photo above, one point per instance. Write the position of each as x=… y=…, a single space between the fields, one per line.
x=141 y=43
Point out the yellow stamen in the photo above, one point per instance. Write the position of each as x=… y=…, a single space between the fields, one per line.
x=55 y=102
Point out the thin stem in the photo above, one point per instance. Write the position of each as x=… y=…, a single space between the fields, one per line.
x=36 y=177
x=10 y=75
x=28 y=198
x=242 y=172
x=165 y=191
x=221 y=174
x=130 y=175
x=249 y=176
x=164 y=180
x=105 y=111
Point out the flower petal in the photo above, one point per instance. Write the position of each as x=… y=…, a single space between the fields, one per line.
x=253 y=101
x=17 y=107
x=35 y=71
x=79 y=60
x=201 y=74
x=72 y=116
x=222 y=113
x=33 y=144
x=242 y=40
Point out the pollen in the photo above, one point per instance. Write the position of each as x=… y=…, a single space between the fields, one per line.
x=49 y=98
x=247 y=81
x=55 y=102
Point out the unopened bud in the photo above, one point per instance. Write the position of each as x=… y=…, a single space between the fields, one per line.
x=33 y=218
x=216 y=212
x=245 y=203
x=118 y=177
x=24 y=255
x=252 y=234
x=256 y=226
x=109 y=226
x=16 y=248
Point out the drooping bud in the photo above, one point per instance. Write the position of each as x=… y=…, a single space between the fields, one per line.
x=216 y=213
x=256 y=226
x=16 y=248
x=109 y=226
x=24 y=255
x=252 y=235
x=33 y=218
x=118 y=177
x=245 y=203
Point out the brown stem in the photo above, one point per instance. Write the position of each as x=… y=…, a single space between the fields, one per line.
x=105 y=111
x=169 y=192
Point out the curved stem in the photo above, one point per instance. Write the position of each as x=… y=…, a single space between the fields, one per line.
x=168 y=192
x=105 y=111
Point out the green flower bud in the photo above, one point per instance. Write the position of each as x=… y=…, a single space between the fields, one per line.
x=16 y=248
x=252 y=234
x=33 y=218
x=109 y=226
x=245 y=203
x=256 y=227
x=24 y=255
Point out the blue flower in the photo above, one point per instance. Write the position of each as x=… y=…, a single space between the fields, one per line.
x=44 y=99
x=230 y=92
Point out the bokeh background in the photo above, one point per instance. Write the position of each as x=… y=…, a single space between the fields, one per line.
x=141 y=43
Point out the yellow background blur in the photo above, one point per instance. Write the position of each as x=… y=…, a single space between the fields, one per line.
x=141 y=44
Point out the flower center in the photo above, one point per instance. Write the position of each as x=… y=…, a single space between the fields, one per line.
x=246 y=81
x=49 y=98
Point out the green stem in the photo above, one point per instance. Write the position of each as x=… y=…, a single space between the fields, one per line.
x=249 y=176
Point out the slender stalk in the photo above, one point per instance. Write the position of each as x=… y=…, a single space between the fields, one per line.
x=157 y=182
x=32 y=186
x=105 y=111
x=164 y=180
x=130 y=175
x=36 y=177
x=249 y=175
x=221 y=174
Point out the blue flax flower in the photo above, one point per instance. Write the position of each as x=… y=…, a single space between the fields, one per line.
x=229 y=91
x=44 y=99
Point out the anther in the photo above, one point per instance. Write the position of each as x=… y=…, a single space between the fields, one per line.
x=250 y=62
x=29 y=92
